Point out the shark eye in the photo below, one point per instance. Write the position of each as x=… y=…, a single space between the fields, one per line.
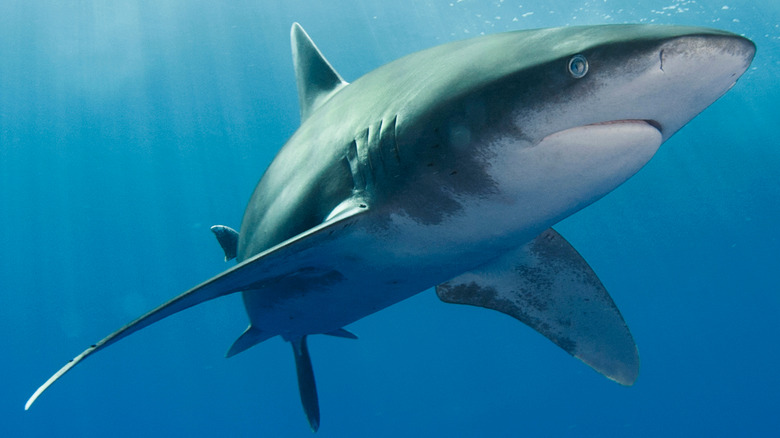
x=578 y=66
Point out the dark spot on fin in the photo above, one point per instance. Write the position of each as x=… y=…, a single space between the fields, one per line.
x=306 y=385
x=228 y=240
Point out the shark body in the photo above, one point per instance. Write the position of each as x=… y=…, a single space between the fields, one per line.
x=446 y=169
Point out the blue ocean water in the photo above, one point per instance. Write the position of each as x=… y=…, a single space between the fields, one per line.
x=127 y=128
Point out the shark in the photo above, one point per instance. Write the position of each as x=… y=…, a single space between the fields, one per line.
x=447 y=169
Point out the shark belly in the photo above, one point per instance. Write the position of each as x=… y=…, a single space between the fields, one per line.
x=397 y=254
x=351 y=278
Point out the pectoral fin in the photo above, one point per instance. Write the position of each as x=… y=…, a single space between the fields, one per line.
x=289 y=256
x=547 y=285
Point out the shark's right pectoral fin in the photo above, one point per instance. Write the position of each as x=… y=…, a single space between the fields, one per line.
x=547 y=285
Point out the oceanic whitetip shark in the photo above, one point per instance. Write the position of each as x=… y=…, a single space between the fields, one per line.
x=446 y=169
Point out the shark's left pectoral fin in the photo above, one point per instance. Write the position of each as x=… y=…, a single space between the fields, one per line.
x=216 y=287
x=283 y=259
x=547 y=285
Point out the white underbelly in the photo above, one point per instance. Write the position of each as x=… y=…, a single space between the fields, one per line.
x=394 y=255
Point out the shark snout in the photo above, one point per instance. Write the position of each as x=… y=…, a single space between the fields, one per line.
x=711 y=56
x=693 y=71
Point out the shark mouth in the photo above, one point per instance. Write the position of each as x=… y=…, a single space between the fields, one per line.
x=613 y=134
x=650 y=122
x=627 y=127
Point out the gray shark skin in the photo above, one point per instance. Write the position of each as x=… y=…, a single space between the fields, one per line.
x=446 y=169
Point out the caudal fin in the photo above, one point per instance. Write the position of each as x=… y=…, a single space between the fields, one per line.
x=306 y=385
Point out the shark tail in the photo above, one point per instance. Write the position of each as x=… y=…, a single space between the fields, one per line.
x=306 y=384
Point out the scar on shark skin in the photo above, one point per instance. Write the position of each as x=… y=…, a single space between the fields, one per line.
x=661 y=56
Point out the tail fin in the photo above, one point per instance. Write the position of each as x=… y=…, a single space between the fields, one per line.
x=306 y=385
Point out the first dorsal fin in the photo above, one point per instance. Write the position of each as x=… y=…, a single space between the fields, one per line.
x=317 y=80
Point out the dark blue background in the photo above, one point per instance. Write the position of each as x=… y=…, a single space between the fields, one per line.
x=127 y=128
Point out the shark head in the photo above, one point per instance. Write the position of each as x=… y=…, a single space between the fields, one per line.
x=663 y=76
x=601 y=108
x=557 y=118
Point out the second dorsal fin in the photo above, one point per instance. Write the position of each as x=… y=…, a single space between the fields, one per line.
x=316 y=78
x=228 y=240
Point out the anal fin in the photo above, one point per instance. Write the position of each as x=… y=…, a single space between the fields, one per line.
x=251 y=337
x=342 y=333
x=547 y=285
x=306 y=385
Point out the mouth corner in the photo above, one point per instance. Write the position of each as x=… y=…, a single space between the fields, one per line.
x=655 y=124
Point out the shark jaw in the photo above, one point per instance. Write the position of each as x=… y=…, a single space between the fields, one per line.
x=630 y=131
